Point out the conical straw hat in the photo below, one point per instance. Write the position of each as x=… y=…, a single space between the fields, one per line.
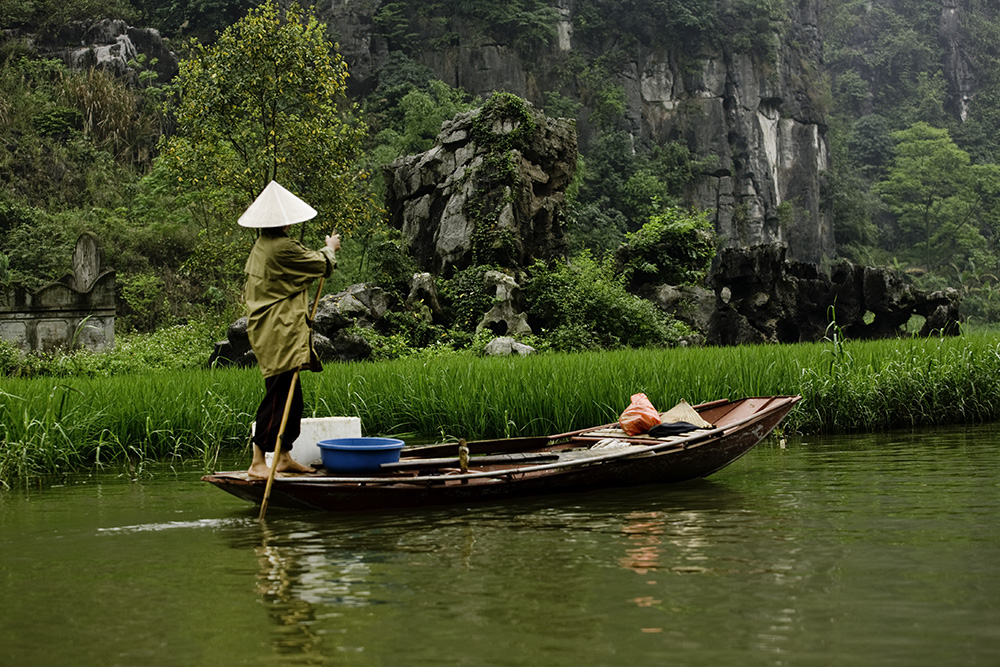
x=276 y=207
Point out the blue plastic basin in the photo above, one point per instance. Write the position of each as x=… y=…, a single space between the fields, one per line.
x=359 y=454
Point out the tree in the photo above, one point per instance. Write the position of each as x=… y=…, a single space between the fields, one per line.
x=266 y=102
x=942 y=202
x=620 y=186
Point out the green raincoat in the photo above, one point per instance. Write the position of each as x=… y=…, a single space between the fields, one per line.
x=279 y=270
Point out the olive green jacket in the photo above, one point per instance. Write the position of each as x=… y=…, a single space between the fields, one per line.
x=279 y=271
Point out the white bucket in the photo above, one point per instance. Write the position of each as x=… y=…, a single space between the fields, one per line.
x=306 y=450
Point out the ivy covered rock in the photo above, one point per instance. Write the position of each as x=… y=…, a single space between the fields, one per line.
x=110 y=44
x=423 y=298
x=490 y=191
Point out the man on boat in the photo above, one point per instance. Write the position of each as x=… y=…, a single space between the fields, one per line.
x=279 y=271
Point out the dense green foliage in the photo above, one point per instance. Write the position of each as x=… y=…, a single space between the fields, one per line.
x=73 y=147
x=675 y=247
x=200 y=19
x=946 y=208
x=752 y=26
x=618 y=188
x=583 y=306
x=57 y=425
x=433 y=24
x=49 y=15
x=160 y=185
x=915 y=163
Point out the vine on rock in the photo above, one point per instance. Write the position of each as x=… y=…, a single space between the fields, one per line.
x=502 y=131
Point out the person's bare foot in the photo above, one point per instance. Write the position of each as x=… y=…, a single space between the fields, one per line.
x=287 y=464
x=260 y=469
x=258 y=466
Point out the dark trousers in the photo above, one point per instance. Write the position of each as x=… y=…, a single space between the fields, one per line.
x=272 y=408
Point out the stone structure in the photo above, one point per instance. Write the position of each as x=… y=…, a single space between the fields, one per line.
x=490 y=190
x=76 y=311
x=761 y=297
x=423 y=298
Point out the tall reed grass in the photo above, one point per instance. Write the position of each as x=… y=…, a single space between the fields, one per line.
x=52 y=425
x=55 y=425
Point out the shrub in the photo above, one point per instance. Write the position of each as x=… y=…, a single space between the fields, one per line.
x=465 y=299
x=146 y=302
x=174 y=348
x=582 y=306
x=675 y=247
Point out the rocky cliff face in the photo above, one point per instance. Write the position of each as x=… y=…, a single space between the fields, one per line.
x=958 y=69
x=756 y=122
x=108 y=44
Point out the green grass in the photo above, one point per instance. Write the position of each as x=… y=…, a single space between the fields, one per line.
x=55 y=425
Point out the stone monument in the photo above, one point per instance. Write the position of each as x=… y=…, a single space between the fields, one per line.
x=77 y=310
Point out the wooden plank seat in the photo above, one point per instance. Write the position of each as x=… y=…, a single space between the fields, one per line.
x=474 y=461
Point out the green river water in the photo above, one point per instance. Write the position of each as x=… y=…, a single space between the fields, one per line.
x=846 y=550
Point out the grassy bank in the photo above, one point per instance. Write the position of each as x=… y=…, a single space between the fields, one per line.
x=62 y=424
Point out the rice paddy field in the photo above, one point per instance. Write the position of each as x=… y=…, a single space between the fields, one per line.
x=59 y=425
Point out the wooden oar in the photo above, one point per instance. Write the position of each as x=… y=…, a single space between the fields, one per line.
x=284 y=416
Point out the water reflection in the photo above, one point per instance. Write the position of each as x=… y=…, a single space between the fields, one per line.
x=280 y=569
x=327 y=581
x=644 y=531
x=712 y=537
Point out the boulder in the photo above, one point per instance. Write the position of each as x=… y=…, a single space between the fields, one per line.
x=941 y=313
x=235 y=350
x=761 y=297
x=690 y=304
x=504 y=346
x=363 y=305
x=344 y=346
x=490 y=190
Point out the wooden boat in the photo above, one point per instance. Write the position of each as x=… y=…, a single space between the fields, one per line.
x=585 y=460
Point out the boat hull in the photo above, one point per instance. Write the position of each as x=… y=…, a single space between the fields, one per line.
x=686 y=459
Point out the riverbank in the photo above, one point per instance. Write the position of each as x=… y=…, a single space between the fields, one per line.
x=57 y=425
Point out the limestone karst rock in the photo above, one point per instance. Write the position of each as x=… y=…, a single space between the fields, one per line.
x=490 y=190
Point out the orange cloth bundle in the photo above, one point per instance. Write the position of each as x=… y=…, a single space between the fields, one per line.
x=639 y=416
